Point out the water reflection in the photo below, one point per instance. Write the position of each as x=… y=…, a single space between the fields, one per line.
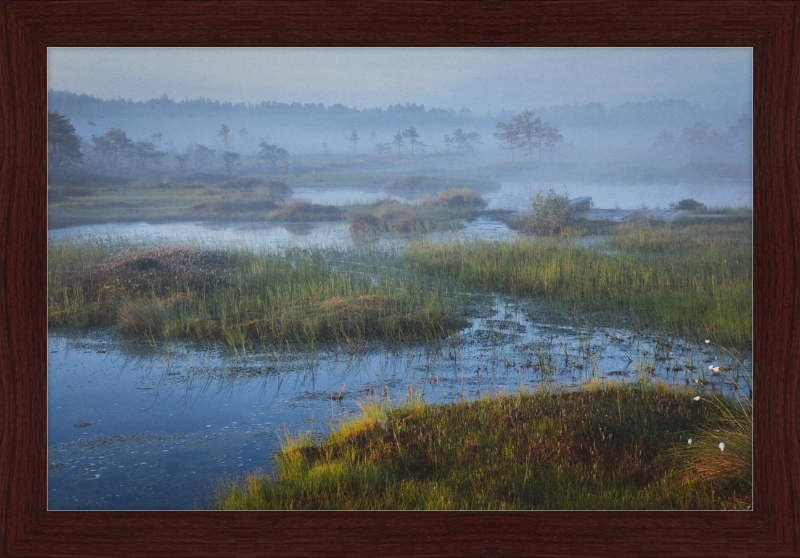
x=153 y=425
x=178 y=416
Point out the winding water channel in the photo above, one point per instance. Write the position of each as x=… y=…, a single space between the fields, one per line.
x=138 y=425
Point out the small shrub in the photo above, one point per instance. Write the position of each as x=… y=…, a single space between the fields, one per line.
x=689 y=203
x=550 y=214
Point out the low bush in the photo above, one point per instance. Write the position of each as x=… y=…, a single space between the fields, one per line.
x=550 y=214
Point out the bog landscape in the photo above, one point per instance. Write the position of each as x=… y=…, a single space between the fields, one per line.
x=307 y=306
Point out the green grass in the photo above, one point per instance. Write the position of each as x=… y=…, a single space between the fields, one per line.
x=239 y=295
x=611 y=446
x=691 y=279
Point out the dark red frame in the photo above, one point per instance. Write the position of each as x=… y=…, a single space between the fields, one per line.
x=28 y=27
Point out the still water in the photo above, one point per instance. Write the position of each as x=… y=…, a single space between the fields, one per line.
x=137 y=425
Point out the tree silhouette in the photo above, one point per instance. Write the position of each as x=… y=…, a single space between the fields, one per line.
x=530 y=132
x=63 y=144
x=273 y=154
x=144 y=151
x=230 y=159
x=183 y=160
x=508 y=136
x=203 y=156
x=398 y=141
x=113 y=143
x=224 y=134
x=412 y=135
x=551 y=138
x=353 y=137
x=464 y=141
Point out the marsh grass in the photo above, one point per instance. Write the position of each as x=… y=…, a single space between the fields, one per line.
x=610 y=446
x=442 y=212
x=690 y=279
x=238 y=295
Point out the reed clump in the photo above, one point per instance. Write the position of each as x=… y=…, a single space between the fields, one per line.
x=609 y=446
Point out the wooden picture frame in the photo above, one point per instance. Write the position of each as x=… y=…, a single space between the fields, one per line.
x=772 y=29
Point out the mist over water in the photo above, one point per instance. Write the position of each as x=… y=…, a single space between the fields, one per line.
x=155 y=424
x=516 y=195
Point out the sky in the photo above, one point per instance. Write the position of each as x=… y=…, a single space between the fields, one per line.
x=480 y=79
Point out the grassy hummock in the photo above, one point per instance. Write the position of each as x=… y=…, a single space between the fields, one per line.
x=611 y=446
x=432 y=213
x=238 y=295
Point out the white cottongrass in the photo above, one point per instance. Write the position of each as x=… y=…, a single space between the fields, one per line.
x=708 y=340
x=697 y=398
x=722 y=446
x=690 y=441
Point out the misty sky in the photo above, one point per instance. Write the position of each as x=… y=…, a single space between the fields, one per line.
x=481 y=79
